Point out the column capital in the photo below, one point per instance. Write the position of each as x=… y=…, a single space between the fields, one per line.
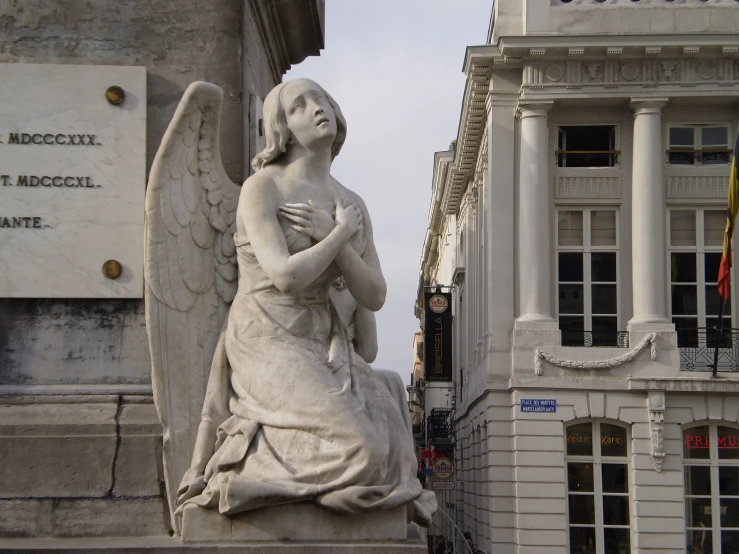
x=647 y=105
x=533 y=108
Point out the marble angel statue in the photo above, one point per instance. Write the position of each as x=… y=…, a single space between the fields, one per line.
x=260 y=312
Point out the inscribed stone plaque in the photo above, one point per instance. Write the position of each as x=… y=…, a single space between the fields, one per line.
x=72 y=181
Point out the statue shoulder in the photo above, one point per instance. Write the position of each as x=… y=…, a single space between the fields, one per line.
x=350 y=195
x=261 y=188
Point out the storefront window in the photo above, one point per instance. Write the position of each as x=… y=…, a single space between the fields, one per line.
x=598 y=488
x=711 y=458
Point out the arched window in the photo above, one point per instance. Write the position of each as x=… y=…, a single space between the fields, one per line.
x=711 y=458
x=597 y=487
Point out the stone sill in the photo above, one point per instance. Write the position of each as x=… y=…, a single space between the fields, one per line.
x=723 y=383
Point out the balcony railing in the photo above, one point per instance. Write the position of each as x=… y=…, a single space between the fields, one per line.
x=440 y=427
x=699 y=157
x=587 y=158
x=618 y=339
x=698 y=348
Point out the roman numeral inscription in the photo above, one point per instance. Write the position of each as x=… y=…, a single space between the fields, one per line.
x=49 y=182
x=53 y=139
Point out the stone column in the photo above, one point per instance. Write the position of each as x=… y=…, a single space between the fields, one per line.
x=648 y=214
x=534 y=218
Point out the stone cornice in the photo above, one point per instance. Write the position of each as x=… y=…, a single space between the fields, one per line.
x=290 y=32
x=613 y=46
x=471 y=127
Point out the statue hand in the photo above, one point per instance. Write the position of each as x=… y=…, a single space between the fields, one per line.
x=193 y=483
x=309 y=219
x=349 y=216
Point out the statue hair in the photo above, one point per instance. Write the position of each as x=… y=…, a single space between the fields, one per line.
x=276 y=132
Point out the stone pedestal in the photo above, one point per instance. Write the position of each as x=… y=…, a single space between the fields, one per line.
x=171 y=545
x=292 y=522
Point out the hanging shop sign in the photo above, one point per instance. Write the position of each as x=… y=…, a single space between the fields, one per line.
x=438 y=336
x=443 y=469
x=443 y=485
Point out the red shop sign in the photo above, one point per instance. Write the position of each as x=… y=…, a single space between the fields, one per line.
x=701 y=441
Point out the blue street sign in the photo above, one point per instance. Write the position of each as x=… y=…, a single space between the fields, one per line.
x=537 y=405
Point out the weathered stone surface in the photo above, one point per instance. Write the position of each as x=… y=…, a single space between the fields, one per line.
x=56 y=466
x=136 y=545
x=138 y=464
x=109 y=518
x=94 y=342
x=57 y=450
x=69 y=447
x=25 y=518
x=294 y=522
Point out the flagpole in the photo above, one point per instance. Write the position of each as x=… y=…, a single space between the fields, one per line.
x=718 y=338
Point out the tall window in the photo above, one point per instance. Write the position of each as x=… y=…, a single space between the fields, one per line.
x=711 y=458
x=698 y=145
x=587 y=270
x=696 y=241
x=597 y=488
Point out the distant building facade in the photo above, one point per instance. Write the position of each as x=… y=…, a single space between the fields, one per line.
x=578 y=219
x=80 y=439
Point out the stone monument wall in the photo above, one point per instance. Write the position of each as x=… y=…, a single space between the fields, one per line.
x=80 y=440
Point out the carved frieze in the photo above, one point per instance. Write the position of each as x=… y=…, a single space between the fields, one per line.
x=612 y=73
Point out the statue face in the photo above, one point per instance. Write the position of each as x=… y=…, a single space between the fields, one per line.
x=309 y=115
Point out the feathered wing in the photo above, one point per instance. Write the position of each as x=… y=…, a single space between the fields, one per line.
x=191 y=272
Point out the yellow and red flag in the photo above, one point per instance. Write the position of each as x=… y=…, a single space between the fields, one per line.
x=724 y=270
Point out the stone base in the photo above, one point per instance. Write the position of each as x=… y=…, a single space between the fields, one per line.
x=166 y=545
x=292 y=522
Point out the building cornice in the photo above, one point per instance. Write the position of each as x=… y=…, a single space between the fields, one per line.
x=614 y=46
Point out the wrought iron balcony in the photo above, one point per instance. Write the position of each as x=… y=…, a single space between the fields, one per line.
x=698 y=157
x=440 y=426
x=698 y=348
x=587 y=158
x=618 y=339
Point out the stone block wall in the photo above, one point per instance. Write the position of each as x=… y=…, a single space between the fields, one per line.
x=80 y=451
x=80 y=466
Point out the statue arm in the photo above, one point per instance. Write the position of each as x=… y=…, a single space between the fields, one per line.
x=365 y=334
x=258 y=209
x=363 y=274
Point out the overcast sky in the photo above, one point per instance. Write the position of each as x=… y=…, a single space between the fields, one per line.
x=395 y=68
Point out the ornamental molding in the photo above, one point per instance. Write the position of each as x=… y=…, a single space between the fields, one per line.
x=616 y=73
x=656 y=409
x=587 y=187
x=714 y=187
x=650 y=339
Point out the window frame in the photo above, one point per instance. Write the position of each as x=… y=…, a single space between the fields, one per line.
x=597 y=461
x=697 y=141
x=714 y=463
x=616 y=143
x=587 y=249
x=700 y=249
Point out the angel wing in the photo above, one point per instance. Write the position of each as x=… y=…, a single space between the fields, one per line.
x=191 y=272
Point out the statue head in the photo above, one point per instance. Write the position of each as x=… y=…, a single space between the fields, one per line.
x=277 y=133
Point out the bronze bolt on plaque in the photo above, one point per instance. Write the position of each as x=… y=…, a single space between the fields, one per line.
x=112 y=269
x=115 y=95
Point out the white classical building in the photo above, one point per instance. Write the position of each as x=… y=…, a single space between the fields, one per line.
x=579 y=218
